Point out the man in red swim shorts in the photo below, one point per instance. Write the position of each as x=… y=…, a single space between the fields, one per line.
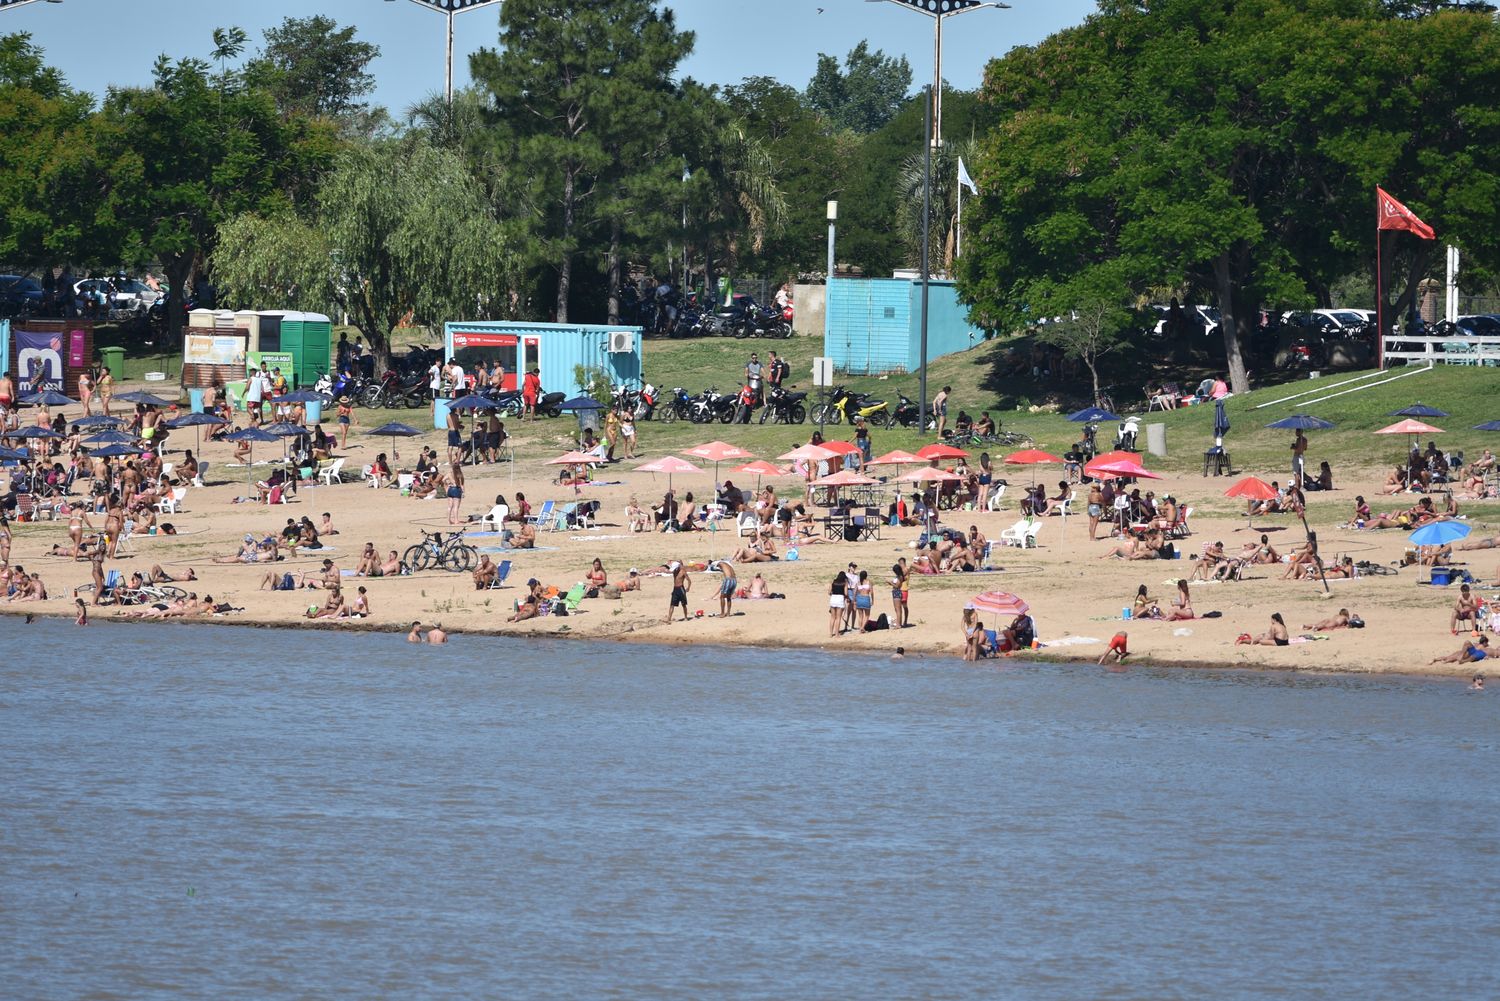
x=1116 y=650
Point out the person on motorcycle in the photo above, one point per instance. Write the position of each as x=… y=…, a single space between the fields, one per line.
x=783 y=297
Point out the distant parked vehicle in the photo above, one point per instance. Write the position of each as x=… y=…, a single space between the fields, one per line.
x=19 y=294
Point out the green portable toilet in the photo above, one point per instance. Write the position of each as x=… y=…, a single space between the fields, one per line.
x=307 y=337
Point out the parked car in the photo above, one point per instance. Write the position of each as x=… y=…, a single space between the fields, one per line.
x=19 y=294
x=133 y=295
x=1199 y=319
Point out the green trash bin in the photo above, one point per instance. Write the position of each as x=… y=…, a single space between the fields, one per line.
x=114 y=360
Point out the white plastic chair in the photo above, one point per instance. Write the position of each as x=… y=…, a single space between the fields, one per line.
x=404 y=481
x=332 y=473
x=997 y=490
x=747 y=524
x=494 y=518
x=1067 y=506
x=202 y=472
x=1022 y=534
x=172 y=503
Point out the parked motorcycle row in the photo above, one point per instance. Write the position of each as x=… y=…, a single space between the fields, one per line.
x=667 y=312
x=782 y=406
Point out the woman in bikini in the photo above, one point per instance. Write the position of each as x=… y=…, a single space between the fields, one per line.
x=1275 y=636
x=1182 y=605
x=1145 y=606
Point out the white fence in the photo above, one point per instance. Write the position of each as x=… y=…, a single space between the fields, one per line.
x=1442 y=350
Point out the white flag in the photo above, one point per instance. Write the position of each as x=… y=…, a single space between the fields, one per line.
x=965 y=179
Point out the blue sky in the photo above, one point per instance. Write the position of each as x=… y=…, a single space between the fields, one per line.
x=102 y=42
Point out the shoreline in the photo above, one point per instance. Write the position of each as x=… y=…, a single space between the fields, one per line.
x=638 y=637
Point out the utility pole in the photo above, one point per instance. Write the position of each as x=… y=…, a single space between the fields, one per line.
x=926 y=244
x=452 y=8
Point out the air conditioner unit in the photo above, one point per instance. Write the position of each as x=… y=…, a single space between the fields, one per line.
x=621 y=342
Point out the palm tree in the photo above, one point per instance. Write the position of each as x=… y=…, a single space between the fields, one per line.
x=228 y=44
x=944 y=231
x=744 y=201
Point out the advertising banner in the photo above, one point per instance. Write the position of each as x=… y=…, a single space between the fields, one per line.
x=78 y=349
x=39 y=361
x=213 y=349
x=273 y=360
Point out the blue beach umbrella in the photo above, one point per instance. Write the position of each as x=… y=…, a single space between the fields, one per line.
x=284 y=429
x=14 y=454
x=474 y=402
x=142 y=397
x=115 y=451
x=47 y=398
x=1488 y=426
x=251 y=435
x=33 y=432
x=394 y=430
x=1093 y=415
x=195 y=421
x=1419 y=409
x=97 y=421
x=1439 y=533
x=1302 y=422
x=108 y=438
x=581 y=403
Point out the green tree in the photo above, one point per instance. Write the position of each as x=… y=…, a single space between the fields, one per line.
x=1231 y=148
x=943 y=232
x=865 y=94
x=398 y=227
x=1093 y=320
x=571 y=96
x=313 y=67
x=42 y=134
x=173 y=161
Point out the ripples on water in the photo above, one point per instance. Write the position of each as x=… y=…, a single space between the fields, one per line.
x=234 y=813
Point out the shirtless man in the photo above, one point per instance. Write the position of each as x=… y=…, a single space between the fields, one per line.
x=161 y=576
x=415 y=636
x=525 y=538
x=1469 y=653
x=369 y=562
x=1464 y=607
x=436 y=634
x=681 y=585
x=485 y=573
x=328 y=580
x=392 y=565
x=727 y=588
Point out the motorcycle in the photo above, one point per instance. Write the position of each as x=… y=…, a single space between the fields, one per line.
x=677 y=406
x=784 y=407
x=744 y=405
x=844 y=406
x=712 y=406
x=904 y=413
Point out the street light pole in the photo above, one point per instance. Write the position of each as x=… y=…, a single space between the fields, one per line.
x=926 y=278
x=452 y=8
x=938 y=10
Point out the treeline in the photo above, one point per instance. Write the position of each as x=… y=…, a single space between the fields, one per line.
x=577 y=152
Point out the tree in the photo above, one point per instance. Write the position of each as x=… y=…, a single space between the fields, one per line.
x=1229 y=147
x=1092 y=323
x=313 y=67
x=866 y=94
x=173 y=161
x=41 y=135
x=571 y=97
x=398 y=227
x=943 y=231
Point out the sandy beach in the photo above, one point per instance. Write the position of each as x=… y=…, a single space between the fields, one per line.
x=1076 y=598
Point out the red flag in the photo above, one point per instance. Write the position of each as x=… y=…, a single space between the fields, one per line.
x=1394 y=215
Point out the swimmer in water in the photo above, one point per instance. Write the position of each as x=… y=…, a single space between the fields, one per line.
x=900 y=653
x=83 y=613
x=1477 y=685
x=415 y=636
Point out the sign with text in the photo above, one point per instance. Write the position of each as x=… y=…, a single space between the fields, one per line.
x=39 y=361
x=273 y=360
x=213 y=349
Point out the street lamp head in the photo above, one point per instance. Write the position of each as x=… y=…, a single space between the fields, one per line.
x=833 y=211
x=942 y=8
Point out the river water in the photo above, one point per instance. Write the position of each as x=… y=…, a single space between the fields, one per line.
x=206 y=812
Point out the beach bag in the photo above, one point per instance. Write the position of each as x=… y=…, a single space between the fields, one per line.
x=609 y=591
x=286 y=583
x=1355 y=622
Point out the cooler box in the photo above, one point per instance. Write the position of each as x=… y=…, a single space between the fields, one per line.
x=1442 y=576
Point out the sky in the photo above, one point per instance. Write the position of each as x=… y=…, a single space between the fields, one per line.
x=97 y=43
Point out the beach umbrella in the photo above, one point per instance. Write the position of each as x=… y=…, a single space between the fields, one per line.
x=844 y=449
x=1438 y=533
x=474 y=402
x=937 y=450
x=1419 y=409
x=284 y=429
x=14 y=454
x=115 y=451
x=143 y=397
x=760 y=467
x=1093 y=415
x=581 y=403
x=1415 y=428
x=1302 y=422
x=97 y=421
x=1121 y=471
x=1221 y=421
x=896 y=458
x=305 y=396
x=808 y=453
x=252 y=435
x=998 y=603
x=394 y=430
x=33 y=431
x=196 y=421
x=929 y=474
x=1111 y=459
x=108 y=438
x=1251 y=488
x=717 y=452
x=47 y=398
x=845 y=478
x=669 y=464
x=1488 y=426
x=1032 y=457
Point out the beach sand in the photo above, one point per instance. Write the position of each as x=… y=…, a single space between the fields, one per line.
x=1076 y=598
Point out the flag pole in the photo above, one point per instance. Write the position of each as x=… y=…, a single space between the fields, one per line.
x=960 y=251
x=1379 y=293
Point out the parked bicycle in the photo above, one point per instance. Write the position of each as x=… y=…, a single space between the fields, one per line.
x=450 y=553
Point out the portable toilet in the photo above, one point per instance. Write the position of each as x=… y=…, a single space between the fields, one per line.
x=307 y=337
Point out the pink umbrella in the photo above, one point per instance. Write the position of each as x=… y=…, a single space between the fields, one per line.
x=760 y=467
x=1411 y=427
x=717 y=452
x=998 y=603
x=670 y=465
x=940 y=451
x=1031 y=457
x=1252 y=488
x=841 y=447
x=573 y=459
x=845 y=478
x=1120 y=470
x=1110 y=458
x=896 y=458
x=929 y=474
x=808 y=453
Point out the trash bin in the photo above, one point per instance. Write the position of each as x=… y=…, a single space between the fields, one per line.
x=314 y=411
x=1156 y=439
x=588 y=420
x=440 y=413
x=195 y=401
x=114 y=360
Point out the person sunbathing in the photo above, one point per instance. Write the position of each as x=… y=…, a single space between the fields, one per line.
x=1343 y=569
x=1465 y=608
x=369 y=562
x=1182 y=605
x=524 y=538
x=332 y=605
x=1395 y=481
x=1144 y=606
x=391 y=567
x=632 y=581
x=1209 y=562
x=1135 y=549
x=327 y=579
x=161 y=576
x=529 y=606
x=1469 y=653
x=1265 y=552
x=758 y=551
x=1487 y=543
x=359 y=610
x=1339 y=621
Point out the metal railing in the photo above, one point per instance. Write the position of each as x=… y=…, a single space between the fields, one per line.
x=1442 y=350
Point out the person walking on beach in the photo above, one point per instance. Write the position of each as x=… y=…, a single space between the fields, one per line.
x=727 y=587
x=680 y=588
x=900 y=578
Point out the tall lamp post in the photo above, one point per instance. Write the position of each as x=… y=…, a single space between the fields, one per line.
x=940 y=11
x=452 y=8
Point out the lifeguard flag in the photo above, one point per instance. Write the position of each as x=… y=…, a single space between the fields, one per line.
x=1394 y=215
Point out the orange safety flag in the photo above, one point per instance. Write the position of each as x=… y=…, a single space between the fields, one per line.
x=1394 y=215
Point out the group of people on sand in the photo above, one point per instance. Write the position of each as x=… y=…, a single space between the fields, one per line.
x=979 y=643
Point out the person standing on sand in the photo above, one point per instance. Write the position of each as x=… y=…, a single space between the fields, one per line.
x=680 y=588
x=455 y=492
x=727 y=588
x=900 y=579
x=940 y=410
x=1096 y=508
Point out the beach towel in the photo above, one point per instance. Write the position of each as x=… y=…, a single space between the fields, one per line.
x=1071 y=641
